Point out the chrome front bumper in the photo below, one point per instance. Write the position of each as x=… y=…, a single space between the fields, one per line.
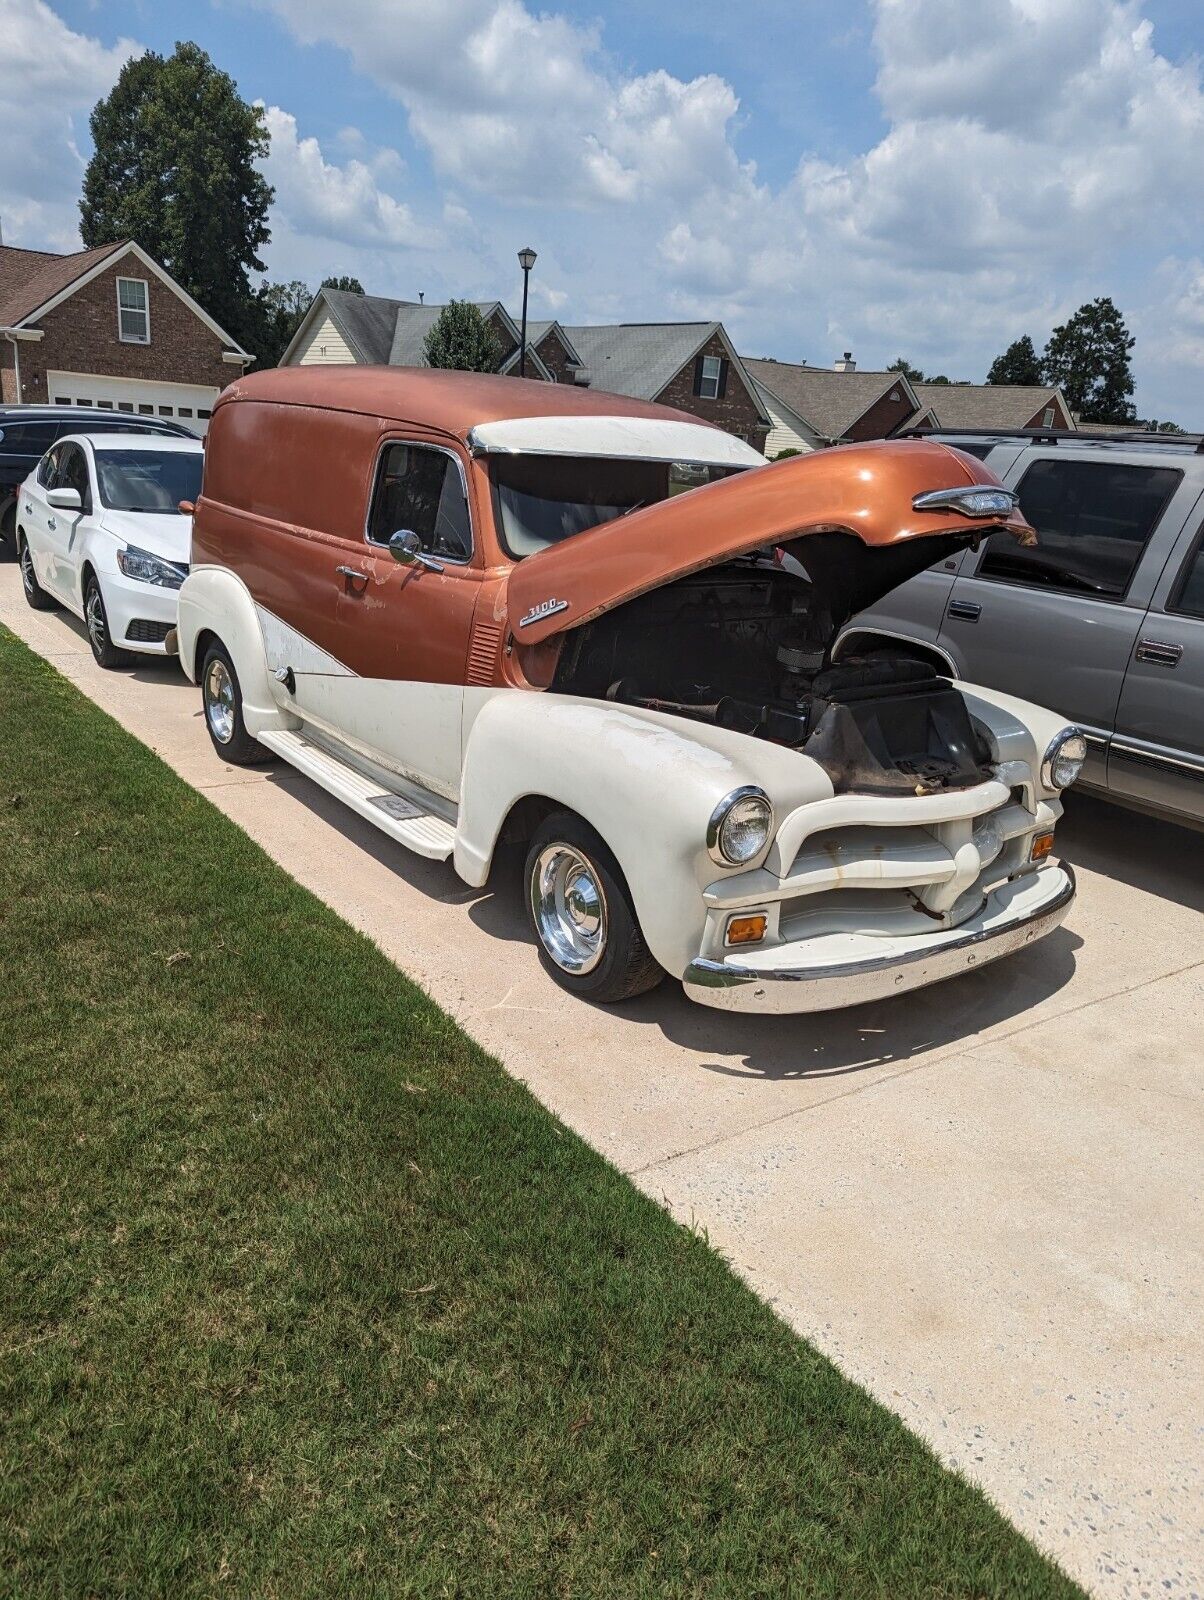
x=1013 y=916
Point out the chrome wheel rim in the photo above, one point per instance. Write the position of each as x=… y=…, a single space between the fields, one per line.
x=94 y=616
x=570 y=908
x=219 y=701
x=27 y=578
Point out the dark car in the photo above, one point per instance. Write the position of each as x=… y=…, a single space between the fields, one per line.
x=27 y=432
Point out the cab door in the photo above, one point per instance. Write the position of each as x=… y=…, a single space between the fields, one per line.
x=1157 y=753
x=1057 y=624
x=404 y=630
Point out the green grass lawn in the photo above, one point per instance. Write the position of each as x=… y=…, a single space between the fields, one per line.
x=300 y=1294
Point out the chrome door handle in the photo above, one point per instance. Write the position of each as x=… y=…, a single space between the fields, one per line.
x=965 y=610
x=1159 y=654
x=356 y=581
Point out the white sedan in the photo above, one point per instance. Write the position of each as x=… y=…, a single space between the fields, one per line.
x=104 y=527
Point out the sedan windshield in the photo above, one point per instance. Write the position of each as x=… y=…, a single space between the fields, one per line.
x=541 y=500
x=148 y=480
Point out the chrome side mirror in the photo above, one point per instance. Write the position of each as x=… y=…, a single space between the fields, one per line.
x=406 y=549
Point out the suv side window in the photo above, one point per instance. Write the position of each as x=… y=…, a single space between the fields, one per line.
x=27 y=438
x=1188 y=598
x=1093 y=521
x=420 y=489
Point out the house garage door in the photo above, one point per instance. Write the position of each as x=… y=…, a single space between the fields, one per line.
x=189 y=403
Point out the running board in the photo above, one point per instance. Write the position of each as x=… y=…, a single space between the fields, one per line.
x=394 y=814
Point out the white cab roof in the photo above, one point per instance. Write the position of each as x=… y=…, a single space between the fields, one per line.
x=630 y=438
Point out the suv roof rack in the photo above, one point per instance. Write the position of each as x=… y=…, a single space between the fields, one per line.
x=1060 y=436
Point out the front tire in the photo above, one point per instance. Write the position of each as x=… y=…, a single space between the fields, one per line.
x=581 y=913
x=96 y=620
x=221 y=700
x=33 y=591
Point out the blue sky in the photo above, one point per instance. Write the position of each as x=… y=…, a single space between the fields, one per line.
x=920 y=177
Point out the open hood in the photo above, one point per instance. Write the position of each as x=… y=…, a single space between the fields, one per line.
x=860 y=495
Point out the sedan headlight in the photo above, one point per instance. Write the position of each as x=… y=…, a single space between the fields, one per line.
x=740 y=827
x=148 y=568
x=1064 y=759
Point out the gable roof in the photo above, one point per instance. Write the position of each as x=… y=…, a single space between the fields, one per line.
x=985 y=405
x=830 y=401
x=38 y=287
x=28 y=278
x=638 y=358
x=366 y=322
x=414 y=322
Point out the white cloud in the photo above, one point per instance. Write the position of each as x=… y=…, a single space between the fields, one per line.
x=345 y=203
x=50 y=78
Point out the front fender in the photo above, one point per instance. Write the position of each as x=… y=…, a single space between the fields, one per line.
x=214 y=600
x=646 y=781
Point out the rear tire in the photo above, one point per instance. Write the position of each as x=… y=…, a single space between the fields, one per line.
x=580 y=910
x=96 y=620
x=33 y=591
x=221 y=701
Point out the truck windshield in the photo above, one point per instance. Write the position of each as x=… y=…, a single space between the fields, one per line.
x=148 y=480
x=541 y=500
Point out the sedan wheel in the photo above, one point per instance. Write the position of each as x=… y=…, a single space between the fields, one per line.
x=34 y=593
x=96 y=620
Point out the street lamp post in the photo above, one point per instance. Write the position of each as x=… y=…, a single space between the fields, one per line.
x=526 y=260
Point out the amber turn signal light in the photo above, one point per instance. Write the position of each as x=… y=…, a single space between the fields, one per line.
x=746 y=930
x=1042 y=845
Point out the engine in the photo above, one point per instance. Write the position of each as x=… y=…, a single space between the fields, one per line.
x=747 y=647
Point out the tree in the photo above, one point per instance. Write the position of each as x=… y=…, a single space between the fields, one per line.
x=1154 y=426
x=1088 y=356
x=462 y=339
x=1019 y=363
x=350 y=285
x=277 y=312
x=174 y=169
x=901 y=364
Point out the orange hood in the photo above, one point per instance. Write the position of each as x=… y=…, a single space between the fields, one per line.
x=865 y=490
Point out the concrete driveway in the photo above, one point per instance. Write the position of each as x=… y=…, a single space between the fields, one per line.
x=981 y=1200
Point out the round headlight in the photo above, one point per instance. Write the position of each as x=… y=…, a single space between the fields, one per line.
x=1064 y=759
x=739 y=828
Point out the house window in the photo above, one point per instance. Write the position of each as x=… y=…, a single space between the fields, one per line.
x=184 y=411
x=712 y=370
x=133 y=311
x=125 y=405
x=1047 y=417
x=61 y=400
x=167 y=411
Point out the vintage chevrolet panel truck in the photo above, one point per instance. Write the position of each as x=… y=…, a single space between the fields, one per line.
x=480 y=610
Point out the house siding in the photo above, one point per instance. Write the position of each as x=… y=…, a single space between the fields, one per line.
x=882 y=418
x=736 y=412
x=505 y=339
x=783 y=432
x=555 y=357
x=322 y=346
x=80 y=335
x=1060 y=419
x=8 y=374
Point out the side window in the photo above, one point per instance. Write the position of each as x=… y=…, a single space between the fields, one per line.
x=421 y=490
x=73 y=472
x=1093 y=521
x=1188 y=597
x=27 y=438
x=47 y=467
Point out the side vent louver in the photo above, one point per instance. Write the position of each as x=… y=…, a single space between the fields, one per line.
x=483 y=652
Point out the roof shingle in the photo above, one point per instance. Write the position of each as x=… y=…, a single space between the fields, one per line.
x=830 y=401
x=28 y=278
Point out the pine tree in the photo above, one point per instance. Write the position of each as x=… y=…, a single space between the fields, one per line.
x=1088 y=356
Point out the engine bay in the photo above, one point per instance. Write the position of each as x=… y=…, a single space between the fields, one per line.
x=747 y=646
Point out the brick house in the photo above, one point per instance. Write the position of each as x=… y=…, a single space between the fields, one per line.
x=811 y=407
x=109 y=327
x=690 y=365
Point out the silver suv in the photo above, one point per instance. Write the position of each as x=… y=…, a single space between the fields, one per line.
x=1103 y=621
